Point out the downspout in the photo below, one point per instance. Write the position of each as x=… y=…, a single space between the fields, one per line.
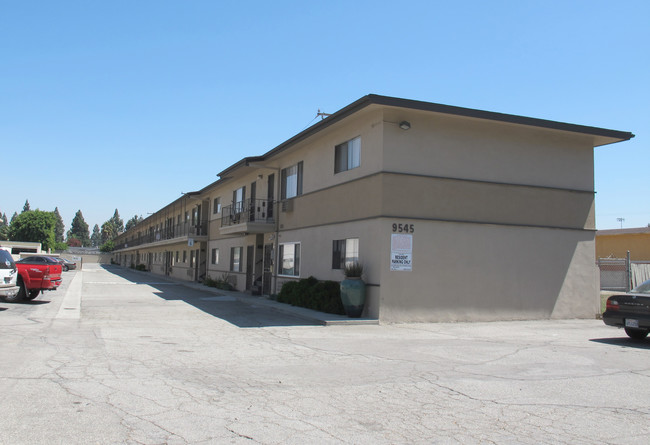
x=276 y=246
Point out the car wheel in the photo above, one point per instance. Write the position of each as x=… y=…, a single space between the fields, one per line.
x=19 y=295
x=33 y=294
x=636 y=333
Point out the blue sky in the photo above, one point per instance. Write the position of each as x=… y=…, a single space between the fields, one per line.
x=126 y=104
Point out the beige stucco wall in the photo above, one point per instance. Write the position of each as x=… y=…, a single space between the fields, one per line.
x=490 y=272
x=458 y=147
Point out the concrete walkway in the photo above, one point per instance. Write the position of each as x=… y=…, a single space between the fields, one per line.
x=264 y=301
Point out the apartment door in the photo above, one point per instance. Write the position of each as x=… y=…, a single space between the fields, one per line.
x=168 y=263
x=270 y=196
x=251 y=204
x=268 y=269
x=259 y=263
x=250 y=266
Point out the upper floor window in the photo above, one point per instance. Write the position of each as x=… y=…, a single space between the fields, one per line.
x=216 y=207
x=347 y=155
x=291 y=181
x=238 y=198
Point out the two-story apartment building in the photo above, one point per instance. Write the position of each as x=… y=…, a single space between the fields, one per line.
x=455 y=214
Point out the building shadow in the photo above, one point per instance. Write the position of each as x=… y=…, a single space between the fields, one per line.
x=222 y=306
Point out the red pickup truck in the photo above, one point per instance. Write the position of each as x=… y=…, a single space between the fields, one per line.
x=36 y=274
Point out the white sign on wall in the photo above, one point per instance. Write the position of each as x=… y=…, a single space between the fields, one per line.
x=401 y=252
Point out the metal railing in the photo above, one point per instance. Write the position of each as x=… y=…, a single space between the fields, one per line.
x=182 y=230
x=249 y=210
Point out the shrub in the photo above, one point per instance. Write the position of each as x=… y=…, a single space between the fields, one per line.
x=323 y=296
x=221 y=283
x=353 y=270
x=141 y=267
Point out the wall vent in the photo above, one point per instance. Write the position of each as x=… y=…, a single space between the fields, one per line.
x=287 y=206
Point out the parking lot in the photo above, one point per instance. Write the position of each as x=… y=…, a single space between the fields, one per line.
x=119 y=357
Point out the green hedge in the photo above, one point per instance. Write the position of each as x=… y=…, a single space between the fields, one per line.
x=322 y=296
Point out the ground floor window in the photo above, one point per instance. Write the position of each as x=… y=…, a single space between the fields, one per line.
x=235 y=259
x=185 y=256
x=290 y=259
x=345 y=252
x=215 y=256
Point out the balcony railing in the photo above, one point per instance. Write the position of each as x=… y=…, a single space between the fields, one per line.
x=183 y=230
x=247 y=211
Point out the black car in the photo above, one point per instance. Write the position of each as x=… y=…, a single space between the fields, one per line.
x=630 y=311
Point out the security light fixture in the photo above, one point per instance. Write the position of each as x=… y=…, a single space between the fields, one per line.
x=404 y=125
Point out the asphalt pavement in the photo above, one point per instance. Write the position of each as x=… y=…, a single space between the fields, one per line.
x=120 y=357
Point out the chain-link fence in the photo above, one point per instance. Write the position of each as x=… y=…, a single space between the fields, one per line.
x=614 y=274
x=621 y=274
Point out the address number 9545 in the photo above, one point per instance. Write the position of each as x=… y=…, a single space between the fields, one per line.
x=403 y=228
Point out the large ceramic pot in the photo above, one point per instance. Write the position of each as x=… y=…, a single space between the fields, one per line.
x=353 y=296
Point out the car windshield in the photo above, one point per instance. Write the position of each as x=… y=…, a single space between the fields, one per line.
x=643 y=288
x=6 y=261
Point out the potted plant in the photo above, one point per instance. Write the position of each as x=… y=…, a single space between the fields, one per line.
x=353 y=290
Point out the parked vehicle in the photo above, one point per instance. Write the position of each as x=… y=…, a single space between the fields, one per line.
x=630 y=311
x=67 y=264
x=8 y=276
x=36 y=274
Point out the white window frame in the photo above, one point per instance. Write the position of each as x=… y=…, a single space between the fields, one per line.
x=293 y=256
x=216 y=205
x=348 y=254
x=291 y=181
x=214 y=257
x=236 y=267
x=347 y=155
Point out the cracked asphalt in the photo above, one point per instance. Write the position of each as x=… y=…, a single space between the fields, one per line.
x=116 y=357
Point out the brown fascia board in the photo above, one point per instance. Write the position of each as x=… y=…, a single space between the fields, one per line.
x=371 y=99
x=631 y=231
x=501 y=117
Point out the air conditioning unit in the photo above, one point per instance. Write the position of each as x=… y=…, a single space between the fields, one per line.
x=287 y=206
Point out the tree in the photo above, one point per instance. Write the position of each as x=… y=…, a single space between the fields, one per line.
x=108 y=231
x=4 y=227
x=13 y=218
x=79 y=229
x=118 y=223
x=26 y=207
x=34 y=226
x=96 y=237
x=73 y=242
x=108 y=246
x=59 y=228
x=132 y=222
